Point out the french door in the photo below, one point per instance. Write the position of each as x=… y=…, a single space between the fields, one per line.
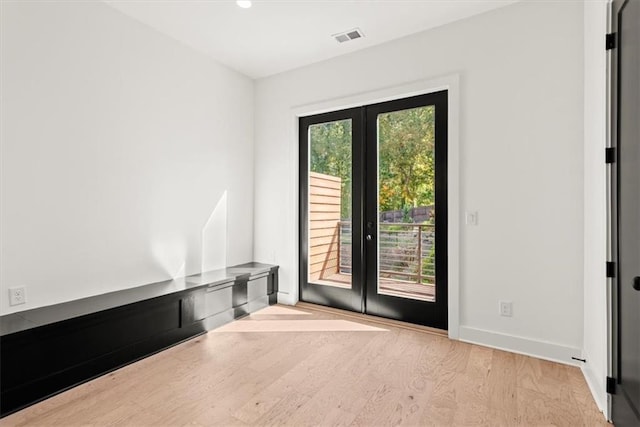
x=373 y=209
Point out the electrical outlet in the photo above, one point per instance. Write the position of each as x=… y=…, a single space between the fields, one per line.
x=17 y=296
x=506 y=308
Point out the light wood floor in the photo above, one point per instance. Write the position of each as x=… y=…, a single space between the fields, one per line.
x=299 y=366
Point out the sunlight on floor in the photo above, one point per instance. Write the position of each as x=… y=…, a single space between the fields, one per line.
x=263 y=321
x=295 y=326
x=280 y=310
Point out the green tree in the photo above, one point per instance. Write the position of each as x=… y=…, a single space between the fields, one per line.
x=406 y=157
x=330 y=154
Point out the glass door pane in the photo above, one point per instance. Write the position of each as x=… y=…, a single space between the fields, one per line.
x=330 y=204
x=406 y=203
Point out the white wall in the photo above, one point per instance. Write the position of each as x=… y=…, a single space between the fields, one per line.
x=118 y=144
x=595 y=196
x=521 y=141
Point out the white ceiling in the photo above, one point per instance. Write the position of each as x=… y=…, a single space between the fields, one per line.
x=279 y=35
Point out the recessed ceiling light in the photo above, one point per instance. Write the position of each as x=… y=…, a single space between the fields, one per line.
x=246 y=4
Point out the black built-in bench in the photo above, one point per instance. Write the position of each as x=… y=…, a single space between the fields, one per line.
x=47 y=350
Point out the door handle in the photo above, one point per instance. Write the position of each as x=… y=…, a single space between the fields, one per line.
x=636 y=283
x=369 y=237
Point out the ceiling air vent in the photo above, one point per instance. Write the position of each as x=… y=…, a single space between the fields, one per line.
x=356 y=33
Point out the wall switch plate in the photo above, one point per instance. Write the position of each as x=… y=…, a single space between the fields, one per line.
x=471 y=217
x=17 y=296
x=506 y=308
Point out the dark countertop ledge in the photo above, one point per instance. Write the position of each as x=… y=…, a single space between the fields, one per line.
x=28 y=319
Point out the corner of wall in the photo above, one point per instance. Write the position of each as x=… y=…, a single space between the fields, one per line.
x=596 y=385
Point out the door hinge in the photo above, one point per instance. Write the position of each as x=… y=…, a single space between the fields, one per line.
x=610 y=155
x=610 y=41
x=611 y=385
x=611 y=269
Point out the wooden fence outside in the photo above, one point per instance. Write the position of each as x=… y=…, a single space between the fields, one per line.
x=324 y=220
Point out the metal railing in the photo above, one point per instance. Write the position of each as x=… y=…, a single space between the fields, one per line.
x=405 y=251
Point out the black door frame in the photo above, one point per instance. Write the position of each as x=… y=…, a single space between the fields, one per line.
x=622 y=411
x=363 y=296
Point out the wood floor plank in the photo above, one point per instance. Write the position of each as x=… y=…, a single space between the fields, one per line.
x=305 y=367
x=282 y=413
x=379 y=408
x=442 y=405
x=502 y=383
x=457 y=357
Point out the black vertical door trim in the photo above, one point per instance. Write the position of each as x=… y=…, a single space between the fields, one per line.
x=360 y=166
x=624 y=412
x=434 y=314
x=616 y=203
x=346 y=299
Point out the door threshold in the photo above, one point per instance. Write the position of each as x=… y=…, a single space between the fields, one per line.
x=373 y=319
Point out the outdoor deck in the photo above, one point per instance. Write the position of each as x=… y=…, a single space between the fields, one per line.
x=406 y=251
x=394 y=287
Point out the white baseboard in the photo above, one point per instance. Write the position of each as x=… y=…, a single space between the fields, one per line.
x=286 y=298
x=515 y=344
x=597 y=388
